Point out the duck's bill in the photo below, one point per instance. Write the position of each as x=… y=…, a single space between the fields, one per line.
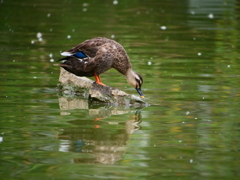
x=140 y=92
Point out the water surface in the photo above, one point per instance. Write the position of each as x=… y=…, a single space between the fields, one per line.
x=188 y=55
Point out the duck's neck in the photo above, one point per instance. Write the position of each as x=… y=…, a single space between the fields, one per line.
x=130 y=76
x=130 y=72
x=122 y=64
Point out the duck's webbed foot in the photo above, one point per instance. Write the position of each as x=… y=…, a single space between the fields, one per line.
x=98 y=80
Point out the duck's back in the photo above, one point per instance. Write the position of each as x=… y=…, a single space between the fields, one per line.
x=96 y=55
x=90 y=47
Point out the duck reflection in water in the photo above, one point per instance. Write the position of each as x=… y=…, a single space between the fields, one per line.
x=103 y=145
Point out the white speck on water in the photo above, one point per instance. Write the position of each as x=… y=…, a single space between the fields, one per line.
x=39 y=35
x=51 y=60
x=180 y=141
x=50 y=30
x=195 y=118
x=187 y=113
x=85 y=4
x=50 y=55
x=32 y=42
x=199 y=54
x=115 y=2
x=69 y=36
x=194 y=38
x=34 y=77
x=192 y=12
x=40 y=39
x=203 y=98
x=191 y=161
x=113 y=36
x=84 y=9
x=48 y=15
x=149 y=63
x=73 y=30
x=1 y=139
x=183 y=122
x=163 y=27
x=229 y=66
x=211 y=16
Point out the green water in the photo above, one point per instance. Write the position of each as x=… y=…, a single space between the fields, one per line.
x=188 y=55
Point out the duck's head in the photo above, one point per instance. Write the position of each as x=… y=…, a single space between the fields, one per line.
x=135 y=80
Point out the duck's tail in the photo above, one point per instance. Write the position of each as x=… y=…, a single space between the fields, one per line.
x=62 y=64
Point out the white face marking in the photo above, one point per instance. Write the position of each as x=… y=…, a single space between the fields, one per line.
x=133 y=79
x=66 y=54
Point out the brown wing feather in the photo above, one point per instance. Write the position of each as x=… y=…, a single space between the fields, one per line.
x=102 y=53
x=102 y=61
x=89 y=47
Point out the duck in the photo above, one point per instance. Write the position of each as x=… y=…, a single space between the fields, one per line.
x=95 y=56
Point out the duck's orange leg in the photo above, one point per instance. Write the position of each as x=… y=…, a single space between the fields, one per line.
x=98 y=80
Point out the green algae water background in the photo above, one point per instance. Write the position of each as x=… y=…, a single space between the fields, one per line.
x=188 y=54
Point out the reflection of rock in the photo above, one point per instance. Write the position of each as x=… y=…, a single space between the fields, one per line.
x=104 y=112
x=71 y=85
x=96 y=111
x=98 y=145
x=72 y=103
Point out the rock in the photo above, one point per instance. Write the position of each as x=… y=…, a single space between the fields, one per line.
x=71 y=86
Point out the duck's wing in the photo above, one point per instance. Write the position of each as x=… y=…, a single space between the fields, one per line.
x=86 y=49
